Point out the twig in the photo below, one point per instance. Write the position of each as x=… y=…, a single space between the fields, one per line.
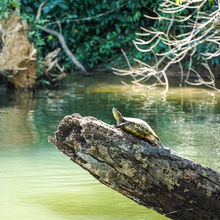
x=91 y=17
x=39 y=10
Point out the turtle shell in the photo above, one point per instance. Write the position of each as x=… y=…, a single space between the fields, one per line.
x=140 y=129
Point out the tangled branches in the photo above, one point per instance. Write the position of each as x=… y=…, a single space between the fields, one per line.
x=184 y=36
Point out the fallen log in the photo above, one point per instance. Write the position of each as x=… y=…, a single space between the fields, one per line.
x=155 y=177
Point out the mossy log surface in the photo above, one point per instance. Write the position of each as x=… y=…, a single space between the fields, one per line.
x=155 y=177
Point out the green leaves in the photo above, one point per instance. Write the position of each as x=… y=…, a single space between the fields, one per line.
x=94 y=30
x=180 y=2
x=211 y=2
x=6 y=6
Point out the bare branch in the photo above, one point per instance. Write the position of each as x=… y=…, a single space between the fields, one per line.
x=39 y=10
x=91 y=17
x=65 y=48
x=200 y=28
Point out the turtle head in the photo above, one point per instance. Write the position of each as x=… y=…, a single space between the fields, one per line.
x=117 y=115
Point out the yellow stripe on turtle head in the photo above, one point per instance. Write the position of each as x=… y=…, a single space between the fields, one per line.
x=117 y=115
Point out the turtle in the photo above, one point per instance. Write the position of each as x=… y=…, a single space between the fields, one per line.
x=136 y=127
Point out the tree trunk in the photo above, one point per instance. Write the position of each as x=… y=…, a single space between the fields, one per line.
x=155 y=177
x=17 y=55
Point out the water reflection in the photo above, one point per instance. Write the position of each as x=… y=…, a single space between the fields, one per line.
x=98 y=202
x=37 y=182
x=17 y=123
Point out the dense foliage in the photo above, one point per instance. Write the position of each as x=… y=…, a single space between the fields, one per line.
x=6 y=6
x=95 y=31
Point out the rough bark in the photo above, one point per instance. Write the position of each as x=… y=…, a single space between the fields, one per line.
x=155 y=177
x=17 y=54
x=53 y=72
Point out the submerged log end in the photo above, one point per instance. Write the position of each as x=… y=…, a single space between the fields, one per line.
x=155 y=177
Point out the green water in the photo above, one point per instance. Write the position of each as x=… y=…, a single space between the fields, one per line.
x=38 y=182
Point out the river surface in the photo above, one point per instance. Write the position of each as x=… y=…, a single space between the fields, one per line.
x=37 y=182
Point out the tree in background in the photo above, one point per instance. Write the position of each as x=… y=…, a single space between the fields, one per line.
x=94 y=31
x=184 y=39
x=175 y=34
